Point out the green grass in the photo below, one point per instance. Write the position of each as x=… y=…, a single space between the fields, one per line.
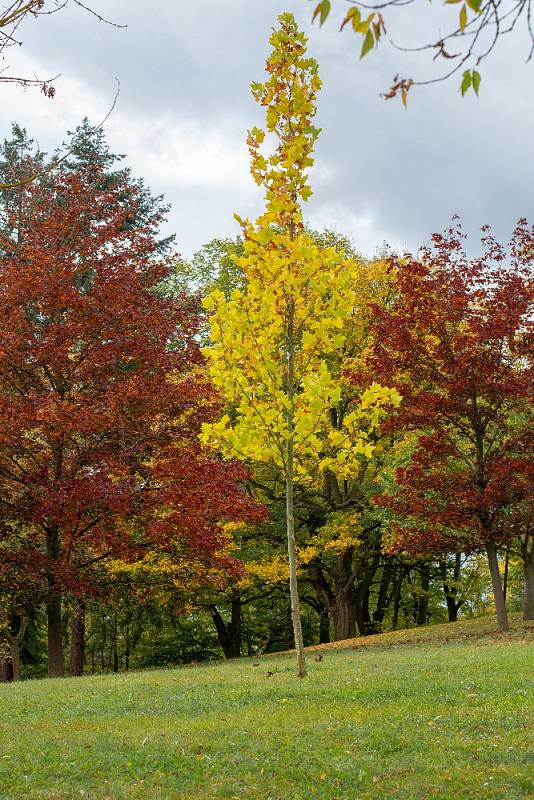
x=439 y=720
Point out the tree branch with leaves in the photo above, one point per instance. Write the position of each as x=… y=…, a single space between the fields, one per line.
x=475 y=29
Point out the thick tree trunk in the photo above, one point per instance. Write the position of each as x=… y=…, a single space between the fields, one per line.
x=498 y=594
x=345 y=613
x=55 y=636
x=344 y=600
x=452 y=611
x=229 y=635
x=6 y=670
x=77 y=640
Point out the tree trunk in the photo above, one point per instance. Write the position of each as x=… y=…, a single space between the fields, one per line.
x=290 y=477
x=363 y=616
x=452 y=611
x=14 y=652
x=451 y=592
x=528 y=570
x=77 y=640
x=324 y=626
x=114 y=644
x=345 y=613
x=397 y=601
x=384 y=598
x=323 y=604
x=235 y=629
x=55 y=636
x=422 y=606
x=293 y=586
x=53 y=611
x=14 y=639
x=127 y=649
x=498 y=595
x=229 y=635
x=505 y=578
x=6 y=670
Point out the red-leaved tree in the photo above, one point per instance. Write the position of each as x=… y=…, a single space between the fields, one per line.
x=458 y=344
x=101 y=398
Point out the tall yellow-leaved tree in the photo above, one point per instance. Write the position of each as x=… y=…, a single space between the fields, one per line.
x=273 y=344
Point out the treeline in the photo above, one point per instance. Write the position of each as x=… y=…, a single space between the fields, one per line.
x=126 y=543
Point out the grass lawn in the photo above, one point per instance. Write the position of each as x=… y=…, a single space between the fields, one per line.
x=396 y=718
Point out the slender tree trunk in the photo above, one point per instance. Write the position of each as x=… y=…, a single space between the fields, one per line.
x=498 y=594
x=384 y=598
x=53 y=611
x=114 y=643
x=235 y=628
x=397 y=601
x=127 y=649
x=527 y=553
x=422 y=606
x=77 y=640
x=528 y=571
x=505 y=579
x=290 y=477
x=324 y=626
x=55 y=636
x=363 y=618
x=14 y=652
x=451 y=592
x=293 y=586
x=103 y=642
x=14 y=639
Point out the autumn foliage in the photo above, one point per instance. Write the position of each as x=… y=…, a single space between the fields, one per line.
x=361 y=429
x=458 y=343
x=100 y=400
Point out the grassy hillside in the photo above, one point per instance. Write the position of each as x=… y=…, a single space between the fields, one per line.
x=438 y=720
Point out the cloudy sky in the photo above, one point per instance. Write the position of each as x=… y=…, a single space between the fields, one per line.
x=381 y=174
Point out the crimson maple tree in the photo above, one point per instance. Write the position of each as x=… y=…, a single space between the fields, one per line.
x=457 y=342
x=101 y=395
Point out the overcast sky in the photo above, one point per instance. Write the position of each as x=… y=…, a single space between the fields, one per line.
x=381 y=174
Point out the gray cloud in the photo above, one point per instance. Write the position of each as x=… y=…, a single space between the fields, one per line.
x=381 y=173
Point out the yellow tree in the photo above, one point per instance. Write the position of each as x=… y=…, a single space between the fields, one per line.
x=273 y=343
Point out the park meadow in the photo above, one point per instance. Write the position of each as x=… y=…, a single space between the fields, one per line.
x=267 y=511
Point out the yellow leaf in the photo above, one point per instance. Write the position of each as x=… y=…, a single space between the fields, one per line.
x=463 y=17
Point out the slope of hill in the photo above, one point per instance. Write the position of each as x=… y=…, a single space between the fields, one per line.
x=446 y=720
